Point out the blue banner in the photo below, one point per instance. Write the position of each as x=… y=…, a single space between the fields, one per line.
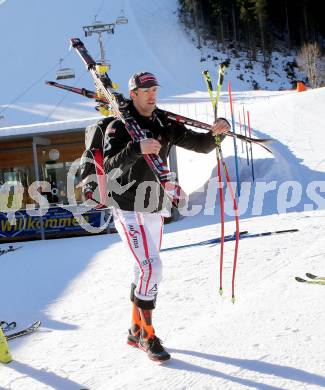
x=56 y=222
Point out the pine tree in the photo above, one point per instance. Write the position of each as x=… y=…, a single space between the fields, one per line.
x=259 y=7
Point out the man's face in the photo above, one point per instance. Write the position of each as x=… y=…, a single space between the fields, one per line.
x=145 y=99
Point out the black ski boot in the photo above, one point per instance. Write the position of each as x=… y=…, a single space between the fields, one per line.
x=154 y=349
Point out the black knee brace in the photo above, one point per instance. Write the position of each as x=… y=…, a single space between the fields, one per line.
x=146 y=305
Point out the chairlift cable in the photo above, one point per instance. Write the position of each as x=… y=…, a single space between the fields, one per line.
x=100 y=8
x=58 y=104
x=25 y=91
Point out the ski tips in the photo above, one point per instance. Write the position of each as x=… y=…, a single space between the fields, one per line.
x=267 y=140
x=75 y=41
x=313 y=279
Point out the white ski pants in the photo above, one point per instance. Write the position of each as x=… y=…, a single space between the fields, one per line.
x=142 y=232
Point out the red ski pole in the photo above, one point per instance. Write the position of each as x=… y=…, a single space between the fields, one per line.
x=222 y=220
x=233 y=197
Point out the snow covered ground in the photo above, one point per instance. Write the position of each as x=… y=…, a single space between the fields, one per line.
x=271 y=338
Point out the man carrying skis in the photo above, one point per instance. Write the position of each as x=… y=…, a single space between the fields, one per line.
x=139 y=205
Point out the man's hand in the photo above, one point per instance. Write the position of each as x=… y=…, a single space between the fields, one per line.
x=150 y=146
x=221 y=126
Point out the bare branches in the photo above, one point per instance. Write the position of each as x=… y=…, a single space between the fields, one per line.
x=309 y=59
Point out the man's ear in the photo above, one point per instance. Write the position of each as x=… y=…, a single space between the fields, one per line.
x=133 y=93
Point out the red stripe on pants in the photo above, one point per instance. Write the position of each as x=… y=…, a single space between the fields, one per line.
x=132 y=250
x=146 y=250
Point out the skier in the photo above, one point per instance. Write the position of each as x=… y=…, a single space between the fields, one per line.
x=138 y=204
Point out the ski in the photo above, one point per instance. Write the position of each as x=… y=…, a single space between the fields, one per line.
x=205 y=126
x=230 y=237
x=315 y=277
x=118 y=105
x=301 y=280
x=9 y=249
x=168 y=114
x=7 y=326
x=80 y=91
x=24 y=332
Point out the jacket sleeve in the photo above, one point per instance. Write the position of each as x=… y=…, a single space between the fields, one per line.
x=120 y=151
x=191 y=140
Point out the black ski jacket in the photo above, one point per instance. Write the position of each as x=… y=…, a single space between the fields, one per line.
x=120 y=151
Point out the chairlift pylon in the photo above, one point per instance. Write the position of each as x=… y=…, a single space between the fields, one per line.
x=64 y=73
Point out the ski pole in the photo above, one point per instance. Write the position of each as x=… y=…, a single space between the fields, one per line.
x=214 y=102
x=251 y=147
x=245 y=131
x=222 y=217
x=234 y=139
x=233 y=197
x=241 y=133
x=221 y=159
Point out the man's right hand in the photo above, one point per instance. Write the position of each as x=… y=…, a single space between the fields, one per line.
x=150 y=146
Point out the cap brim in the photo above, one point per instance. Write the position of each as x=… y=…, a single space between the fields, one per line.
x=149 y=84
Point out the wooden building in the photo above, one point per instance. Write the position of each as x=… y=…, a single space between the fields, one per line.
x=30 y=153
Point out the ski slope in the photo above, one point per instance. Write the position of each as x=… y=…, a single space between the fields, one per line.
x=271 y=338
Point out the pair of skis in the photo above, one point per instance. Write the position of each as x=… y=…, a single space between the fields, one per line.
x=313 y=279
x=168 y=114
x=222 y=164
x=9 y=249
x=230 y=237
x=9 y=327
x=118 y=106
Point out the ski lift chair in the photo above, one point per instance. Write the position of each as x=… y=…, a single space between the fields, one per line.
x=98 y=27
x=121 y=19
x=65 y=73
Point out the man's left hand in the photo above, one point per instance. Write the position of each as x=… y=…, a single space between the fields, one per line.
x=220 y=126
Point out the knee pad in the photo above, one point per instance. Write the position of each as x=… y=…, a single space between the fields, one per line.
x=145 y=305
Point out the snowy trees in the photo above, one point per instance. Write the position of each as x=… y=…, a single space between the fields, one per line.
x=258 y=27
x=261 y=23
